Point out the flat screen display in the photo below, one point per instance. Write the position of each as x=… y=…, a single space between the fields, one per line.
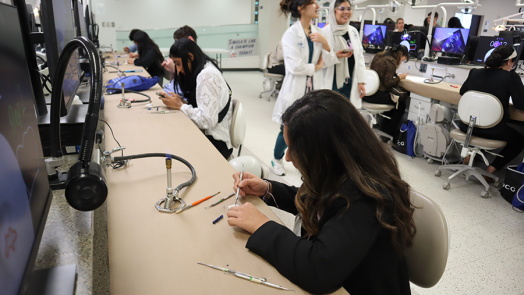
x=486 y=46
x=374 y=35
x=24 y=188
x=450 y=40
x=410 y=40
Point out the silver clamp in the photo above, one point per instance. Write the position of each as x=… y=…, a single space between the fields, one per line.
x=107 y=159
x=52 y=163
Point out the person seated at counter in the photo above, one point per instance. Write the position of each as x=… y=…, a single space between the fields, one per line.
x=498 y=79
x=385 y=64
x=455 y=23
x=276 y=61
x=399 y=25
x=208 y=96
x=182 y=32
x=357 y=219
x=133 y=48
x=150 y=56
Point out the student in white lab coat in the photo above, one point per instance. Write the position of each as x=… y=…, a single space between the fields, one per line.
x=348 y=75
x=305 y=52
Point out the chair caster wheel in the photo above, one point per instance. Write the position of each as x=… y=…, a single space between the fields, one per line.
x=430 y=161
x=484 y=194
x=497 y=185
x=446 y=186
x=438 y=173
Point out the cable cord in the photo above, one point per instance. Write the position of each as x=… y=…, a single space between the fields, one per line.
x=164 y=155
x=118 y=164
x=132 y=91
x=45 y=80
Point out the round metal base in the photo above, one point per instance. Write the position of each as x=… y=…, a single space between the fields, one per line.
x=172 y=209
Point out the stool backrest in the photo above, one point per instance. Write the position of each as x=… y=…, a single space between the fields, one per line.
x=428 y=257
x=485 y=107
x=266 y=62
x=372 y=82
x=237 y=131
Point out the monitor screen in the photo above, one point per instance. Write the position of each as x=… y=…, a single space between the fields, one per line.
x=411 y=40
x=25 y=194
x=59 y=29
x=450 y=40
x=486 y=45
x=374 y=35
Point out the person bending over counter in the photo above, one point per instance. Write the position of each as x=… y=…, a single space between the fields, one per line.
x=182 y=32
x=348 y=75
x=357 y=219
x=497 y=79
x=276 y=61
x=150 y=56
x=305 y=51
x=133 y=48
x=208 y=100
x=386 y=64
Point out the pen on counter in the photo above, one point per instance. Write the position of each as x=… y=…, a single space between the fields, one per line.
x=195 y=203
x=220 y=201
x=133 y=71
x=454 y=86
x=218 y=219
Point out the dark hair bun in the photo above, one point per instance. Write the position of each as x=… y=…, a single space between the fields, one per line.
x=499 y=56
x=291 y=6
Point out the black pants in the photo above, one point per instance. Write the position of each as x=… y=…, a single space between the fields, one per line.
x=279 y=69
x=515 y=143
x=220 y=146
x=389 y=126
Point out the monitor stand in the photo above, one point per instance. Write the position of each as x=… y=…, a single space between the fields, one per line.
x=59 y=280
x=449 y=60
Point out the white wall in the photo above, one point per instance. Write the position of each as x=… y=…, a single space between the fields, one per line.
x=159 y=14
x=271 y=26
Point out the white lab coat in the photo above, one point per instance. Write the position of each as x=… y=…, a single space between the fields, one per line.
x=360 y=65
x=296 y=57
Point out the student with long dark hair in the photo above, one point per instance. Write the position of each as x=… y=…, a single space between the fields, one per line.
x=150 y=56
x=498 y=79
x=208 y=101
x=386 y=64
x=455 y=23
x=357 y=219
x=133 y=48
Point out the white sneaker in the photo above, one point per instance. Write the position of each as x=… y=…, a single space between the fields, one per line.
x=278 y=167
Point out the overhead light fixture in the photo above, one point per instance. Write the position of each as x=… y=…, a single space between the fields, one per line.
x=499 y=28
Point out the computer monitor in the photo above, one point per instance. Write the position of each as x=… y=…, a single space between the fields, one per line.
x=24 y=17
x=25 y=195
x=59 y=29
x=412 y=41
x=80 y=19
x=519 y=48
x=389 y=27
x=449 y=40
x=486 y=45
x=374 y=35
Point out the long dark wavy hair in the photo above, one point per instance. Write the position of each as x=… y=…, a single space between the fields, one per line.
x=330 y=142
x=188 y=81
x=144 y=43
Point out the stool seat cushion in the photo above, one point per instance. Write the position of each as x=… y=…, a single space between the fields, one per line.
x=488 y=144
x=277 y=76
x=377 y=107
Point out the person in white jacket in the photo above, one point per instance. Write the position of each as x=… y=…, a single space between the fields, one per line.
x=305 y=52
x=348 y=74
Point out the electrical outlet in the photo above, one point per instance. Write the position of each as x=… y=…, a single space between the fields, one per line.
x=423 y=68
x=112 y=24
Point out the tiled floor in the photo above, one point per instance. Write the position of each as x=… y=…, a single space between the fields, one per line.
x=487 y=236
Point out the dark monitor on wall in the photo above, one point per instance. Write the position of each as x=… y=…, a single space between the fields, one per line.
x=59 y=29
x=25 y=195
x=374 y=35
x=449 y=40
x=486 y=45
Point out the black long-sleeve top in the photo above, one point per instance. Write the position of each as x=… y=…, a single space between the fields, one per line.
x=500 y=83
x=150 y=62
x=351 y=250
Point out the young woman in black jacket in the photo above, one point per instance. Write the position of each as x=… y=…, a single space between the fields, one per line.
x=357 y=218
x=150 y=56
x=498 y=79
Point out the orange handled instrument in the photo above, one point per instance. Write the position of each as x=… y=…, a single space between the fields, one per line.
x=195 y=203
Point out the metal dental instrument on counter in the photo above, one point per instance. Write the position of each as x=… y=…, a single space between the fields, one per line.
x=247 y=277
x=220 y=201
x=238 y=188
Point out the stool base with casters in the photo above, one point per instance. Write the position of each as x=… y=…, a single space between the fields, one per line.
x=372 y=110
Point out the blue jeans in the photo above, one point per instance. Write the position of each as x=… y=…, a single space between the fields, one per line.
x=280 y=145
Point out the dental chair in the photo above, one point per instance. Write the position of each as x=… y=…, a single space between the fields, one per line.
x=478 y=110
